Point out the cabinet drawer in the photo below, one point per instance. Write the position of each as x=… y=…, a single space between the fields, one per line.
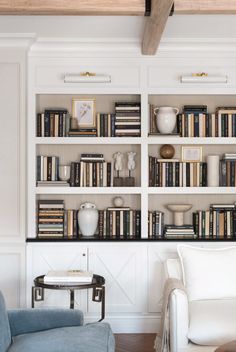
x=119 y=76
x=169 y=73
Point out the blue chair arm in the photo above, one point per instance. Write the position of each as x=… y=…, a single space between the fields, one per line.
x=23 y=321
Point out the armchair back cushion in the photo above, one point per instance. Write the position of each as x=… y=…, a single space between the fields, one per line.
x=5 y=333
x=208 y=273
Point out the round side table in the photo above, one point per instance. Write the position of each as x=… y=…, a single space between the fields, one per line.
x=97 y=285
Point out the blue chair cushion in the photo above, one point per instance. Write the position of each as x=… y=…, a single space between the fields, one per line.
x=5 y=333
x=95 y=337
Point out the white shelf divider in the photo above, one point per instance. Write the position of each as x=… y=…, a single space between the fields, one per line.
x=88 y=190
x=87 y=140
x=191 y=140
x=192 y=190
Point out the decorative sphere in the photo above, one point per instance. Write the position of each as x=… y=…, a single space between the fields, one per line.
x=167 y=151
x=118 y=202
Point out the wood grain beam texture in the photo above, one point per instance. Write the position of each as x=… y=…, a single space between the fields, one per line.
x=205 y=6
x=73 y=7
x=155 y=25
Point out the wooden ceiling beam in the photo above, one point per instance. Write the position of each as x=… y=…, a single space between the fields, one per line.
x=155 y=25
x=73 y=7
x=205 y=7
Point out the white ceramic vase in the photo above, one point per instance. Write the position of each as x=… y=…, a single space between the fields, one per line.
x=64 y=172
x=178 y=211
x=88 y=219
x=166 y=119
x=213 y=170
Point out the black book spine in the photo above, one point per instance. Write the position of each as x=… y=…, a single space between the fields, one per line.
x=72 y=175
x=117 y=224
x=46 y=125
x=38 y=126
x=77 y=174
x=49 y=168
x=187 y=174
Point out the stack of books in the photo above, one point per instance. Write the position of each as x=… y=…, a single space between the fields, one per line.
x=119 y=223
x=172 y=173
x=155 y=224
x=50 y=218
x=71 y=229
x=91 y=171
x=47 y=168
x=53 y=123
x=106 y=125
x=219 y=222
x=69 y=276
x=128 y=119
x=179 y=232
x=228 y=170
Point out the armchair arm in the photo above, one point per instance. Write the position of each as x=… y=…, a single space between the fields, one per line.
x=179 y=320
x=23 y=321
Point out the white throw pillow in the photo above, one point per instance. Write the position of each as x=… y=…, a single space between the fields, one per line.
x=212 y=322
x=208 y=273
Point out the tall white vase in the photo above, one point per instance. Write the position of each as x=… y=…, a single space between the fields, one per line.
x=88 y=219
x=166 y=119
x=213 y=170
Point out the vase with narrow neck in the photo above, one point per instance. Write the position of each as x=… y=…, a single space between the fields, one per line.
x=88 y=219
x=178 y=211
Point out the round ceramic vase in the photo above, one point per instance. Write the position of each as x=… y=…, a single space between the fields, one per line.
x=88 y=219
x=166 y=119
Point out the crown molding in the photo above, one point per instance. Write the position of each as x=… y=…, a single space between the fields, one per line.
x=118 y=47
x=16 y=40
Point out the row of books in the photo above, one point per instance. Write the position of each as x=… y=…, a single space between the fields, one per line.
x=219 y=222
x=53 y=123
x=119 y=223
x=127 y=119
x=50 y=218
x=228 y=170
x=91 y=171
x=172 y=173
x=47 y=168
x=207 y=125
x=155 y=224
x=106 y=125
x=179 y=232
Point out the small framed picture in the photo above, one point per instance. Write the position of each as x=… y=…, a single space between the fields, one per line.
x=192 y=154
x=84 y=111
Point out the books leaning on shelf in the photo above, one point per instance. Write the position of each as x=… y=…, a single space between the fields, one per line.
x=106 y=125
x=155 y=224
x=69 y=276
x=176 y=174
x=228 y=170
x=196 y=123
x=119 y=223
x=127 y=119
x=219 y=222
x=91 y=171
x=50 y=218
x=179 y=232
x=53 y=123
x=47 y=168
x=71 y=224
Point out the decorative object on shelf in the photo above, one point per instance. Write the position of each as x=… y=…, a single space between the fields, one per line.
x=203 y=77
x=166 y=118
x=64 y=172
x=118 y=161
x=213 y=170
x=191 y=154
x=167 y=151
x=178 y=211
x=130 y=181
x=88 y=219
x=84 y=111
x=86 y=77
x=118 y=202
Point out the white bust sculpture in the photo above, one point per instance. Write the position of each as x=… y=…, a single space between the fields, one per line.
x=118 y=161
x=131 y=162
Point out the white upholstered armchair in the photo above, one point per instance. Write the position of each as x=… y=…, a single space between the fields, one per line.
x=205 y=316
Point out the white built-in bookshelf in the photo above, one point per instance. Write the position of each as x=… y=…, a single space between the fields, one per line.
x=141 y=196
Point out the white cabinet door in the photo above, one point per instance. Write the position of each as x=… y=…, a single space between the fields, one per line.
x=56 y=256
x=123 y=267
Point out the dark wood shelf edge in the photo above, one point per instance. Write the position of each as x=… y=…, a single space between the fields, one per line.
x=126 y=240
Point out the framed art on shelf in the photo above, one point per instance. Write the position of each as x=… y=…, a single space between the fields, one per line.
x=191 y=154
x=84 y=111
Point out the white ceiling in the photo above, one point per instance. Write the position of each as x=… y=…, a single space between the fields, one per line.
x=130 y=28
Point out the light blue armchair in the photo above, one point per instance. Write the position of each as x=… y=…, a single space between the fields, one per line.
x=51 y=330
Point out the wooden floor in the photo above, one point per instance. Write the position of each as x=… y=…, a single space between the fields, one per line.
x=134 y=342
